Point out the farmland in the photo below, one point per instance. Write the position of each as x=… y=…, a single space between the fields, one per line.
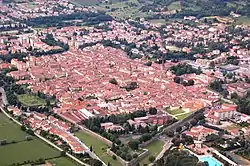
x=19 y=150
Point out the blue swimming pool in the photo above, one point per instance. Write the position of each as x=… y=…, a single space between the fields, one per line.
x=211 y=161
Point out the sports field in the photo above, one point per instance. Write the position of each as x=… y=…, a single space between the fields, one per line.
x=99 y=147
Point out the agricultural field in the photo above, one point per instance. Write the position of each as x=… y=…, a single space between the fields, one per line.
x=9 y=130
x=61 y=161
x=23 y=150
x=243 y=21
x=34 y=150
x=155 y=148
x=99 y=147
x=85 y=2
x=31 y=100
x=175 y=6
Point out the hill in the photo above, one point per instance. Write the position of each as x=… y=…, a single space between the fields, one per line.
x=200 y=8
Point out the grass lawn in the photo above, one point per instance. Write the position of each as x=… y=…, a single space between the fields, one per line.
x=243 y=20
x=27 y=150
x=122 y=9
x=9 y=130
x=62 y=161
x=31 y=100
x=85 y=2
x=154 y=148
x=173 y=48
x=183 y=116
x=158 y=21
x=175 y=112
x=175 y=6
x=99 y=147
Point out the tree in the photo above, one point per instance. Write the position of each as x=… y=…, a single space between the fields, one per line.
x=152 y=111
x=62 y=153
x=151 y=158
x=134 y=144
x=149 y=63
x=177 y=80
x=193 y=122
x=114 y=157
x=23 y=128
x=91 y=148
x=113 y=81
x=135 y=155
x=178 y=129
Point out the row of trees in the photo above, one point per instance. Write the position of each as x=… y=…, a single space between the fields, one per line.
x=183 y=68
x=66 y=19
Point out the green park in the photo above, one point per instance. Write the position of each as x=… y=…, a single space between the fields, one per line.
x=98 y=146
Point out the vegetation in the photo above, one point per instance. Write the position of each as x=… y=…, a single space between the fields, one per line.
x=154 y=148
x=50 y=40
x=184 y=68
x=216 y=85
x=31 y=100
x=98 y=146
x=243 y=103
x=62 y=161
x=88 y=18
x=176 y=157
x=17 y=141
x=176 y=111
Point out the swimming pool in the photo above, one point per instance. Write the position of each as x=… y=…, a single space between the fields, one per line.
x=211 y=161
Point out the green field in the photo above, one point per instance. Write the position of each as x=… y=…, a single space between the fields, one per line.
x=176 y=111
x=9 y=130
x=175 y=6
x=26 y=150
x=154 y=148
x=62 y=161
x=99 y=147
x=23 y=150
x=183 y=116
x=243 y=20
x=85 y=2
x=31 y=100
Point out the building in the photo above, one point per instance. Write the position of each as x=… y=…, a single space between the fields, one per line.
x=225 y=112
x=112 y=127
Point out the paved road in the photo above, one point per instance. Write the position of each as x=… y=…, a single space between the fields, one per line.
x=4 y=99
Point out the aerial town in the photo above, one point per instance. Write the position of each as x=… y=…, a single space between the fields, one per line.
x=124 y=83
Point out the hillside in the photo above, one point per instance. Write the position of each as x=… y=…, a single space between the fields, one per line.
x=150 y=9
x=201 y=8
